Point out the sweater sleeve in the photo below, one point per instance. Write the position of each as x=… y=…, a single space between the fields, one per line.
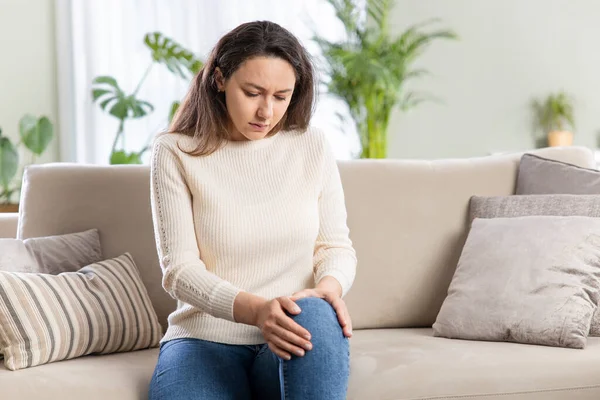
x=334 y=254
x=185 y=276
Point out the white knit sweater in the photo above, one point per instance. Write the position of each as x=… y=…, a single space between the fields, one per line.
x=266 y=217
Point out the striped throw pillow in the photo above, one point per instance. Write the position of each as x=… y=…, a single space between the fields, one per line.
x=102 y=308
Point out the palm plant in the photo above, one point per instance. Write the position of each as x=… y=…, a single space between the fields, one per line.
x=555 y=113
x=369 y=70
x=123 y=106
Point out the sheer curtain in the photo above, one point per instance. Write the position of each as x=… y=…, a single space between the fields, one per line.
x=105 y=37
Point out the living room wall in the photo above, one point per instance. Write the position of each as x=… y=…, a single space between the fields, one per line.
x=28 y=66
x=509 y=52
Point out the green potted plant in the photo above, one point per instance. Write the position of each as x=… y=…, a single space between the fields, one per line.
x=369 y=70
x=554 y=116
x=34 y=134
x=113 y=100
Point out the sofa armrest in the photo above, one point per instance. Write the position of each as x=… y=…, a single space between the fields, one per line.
x=8 y=225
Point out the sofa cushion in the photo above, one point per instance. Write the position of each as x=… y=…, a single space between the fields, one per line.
x=411 y=364
x=530 y=280
x=122 y=376
x=527 y=205
x=386 y=364
x=103 y=308
x=540 y=175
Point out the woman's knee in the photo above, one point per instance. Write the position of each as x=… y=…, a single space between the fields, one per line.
x=319 y=318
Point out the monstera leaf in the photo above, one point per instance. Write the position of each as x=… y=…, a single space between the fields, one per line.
x=36 y=133
x=172 y=54
x=9 y=161
x=112 y=99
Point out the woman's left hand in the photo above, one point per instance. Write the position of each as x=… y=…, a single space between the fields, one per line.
x=336 y=302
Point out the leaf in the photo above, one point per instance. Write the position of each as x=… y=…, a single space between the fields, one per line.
x=36 y=134
x=112 y=99
x=121 y=157
x=170 y=53
x=174 y=108
x=9 y=162
x=379 y=11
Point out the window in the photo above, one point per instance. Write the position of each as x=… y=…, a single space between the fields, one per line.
x=105 y=37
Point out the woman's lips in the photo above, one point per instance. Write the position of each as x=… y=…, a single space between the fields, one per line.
x=259 y=127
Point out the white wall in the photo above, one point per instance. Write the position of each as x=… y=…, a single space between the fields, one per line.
x=28 y=66
x=510 y=51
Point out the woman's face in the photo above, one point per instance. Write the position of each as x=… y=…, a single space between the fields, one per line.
x=257 y=96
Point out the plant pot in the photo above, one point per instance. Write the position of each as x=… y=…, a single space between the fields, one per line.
x=560 y=138
x=9 y=208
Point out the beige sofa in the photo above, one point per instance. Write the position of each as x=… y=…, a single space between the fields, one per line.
x=408 y=221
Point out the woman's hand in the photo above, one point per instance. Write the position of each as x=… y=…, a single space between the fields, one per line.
x=336 y=302
x=283 y=335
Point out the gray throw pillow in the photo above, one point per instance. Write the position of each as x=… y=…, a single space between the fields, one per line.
x=529 y=205
x=538 y=175
x=51 y=254
x=65 y=253
x=532 y=280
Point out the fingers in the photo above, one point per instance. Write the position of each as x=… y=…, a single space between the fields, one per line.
x=292 y=338
x=342 y=314
x=290 y=325
x=347 y=329
x=289 y=305
x=286 y=347
x=279 y=352
x=301 y=295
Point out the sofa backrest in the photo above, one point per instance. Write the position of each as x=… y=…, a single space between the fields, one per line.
x=408 y=222
x=8 y=225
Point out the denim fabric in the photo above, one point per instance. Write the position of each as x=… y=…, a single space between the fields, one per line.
x=198 y=369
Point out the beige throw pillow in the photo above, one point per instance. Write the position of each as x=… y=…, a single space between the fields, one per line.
x=539 y=204
x=102 y=308
x=533 y=280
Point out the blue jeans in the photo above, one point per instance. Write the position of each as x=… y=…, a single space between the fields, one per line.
x=199 y=369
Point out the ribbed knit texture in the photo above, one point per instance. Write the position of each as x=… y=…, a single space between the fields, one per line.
x=266 y=217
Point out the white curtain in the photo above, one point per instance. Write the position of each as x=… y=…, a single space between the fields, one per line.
x=105 y=37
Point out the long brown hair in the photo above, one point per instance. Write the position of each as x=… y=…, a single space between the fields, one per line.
x=203 y=113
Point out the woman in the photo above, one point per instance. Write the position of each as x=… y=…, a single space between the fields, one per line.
x=251 y=231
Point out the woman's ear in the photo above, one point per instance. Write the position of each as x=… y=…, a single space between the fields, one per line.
x=219 y=80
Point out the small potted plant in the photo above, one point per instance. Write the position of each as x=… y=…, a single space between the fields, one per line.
x=555 y=117
x=35 y=135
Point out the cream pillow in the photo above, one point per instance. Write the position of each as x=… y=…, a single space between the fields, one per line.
x=533 y=279
x=102 y=308
x=15 y=257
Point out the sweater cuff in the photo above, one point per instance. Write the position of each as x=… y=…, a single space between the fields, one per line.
x=208 y=293
x=342 y=271
x=222 y=300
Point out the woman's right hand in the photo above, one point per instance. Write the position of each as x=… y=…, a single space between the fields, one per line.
x=283 y=335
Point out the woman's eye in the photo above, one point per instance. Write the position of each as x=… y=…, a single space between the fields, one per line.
x=251 y=94
x=280 y=98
